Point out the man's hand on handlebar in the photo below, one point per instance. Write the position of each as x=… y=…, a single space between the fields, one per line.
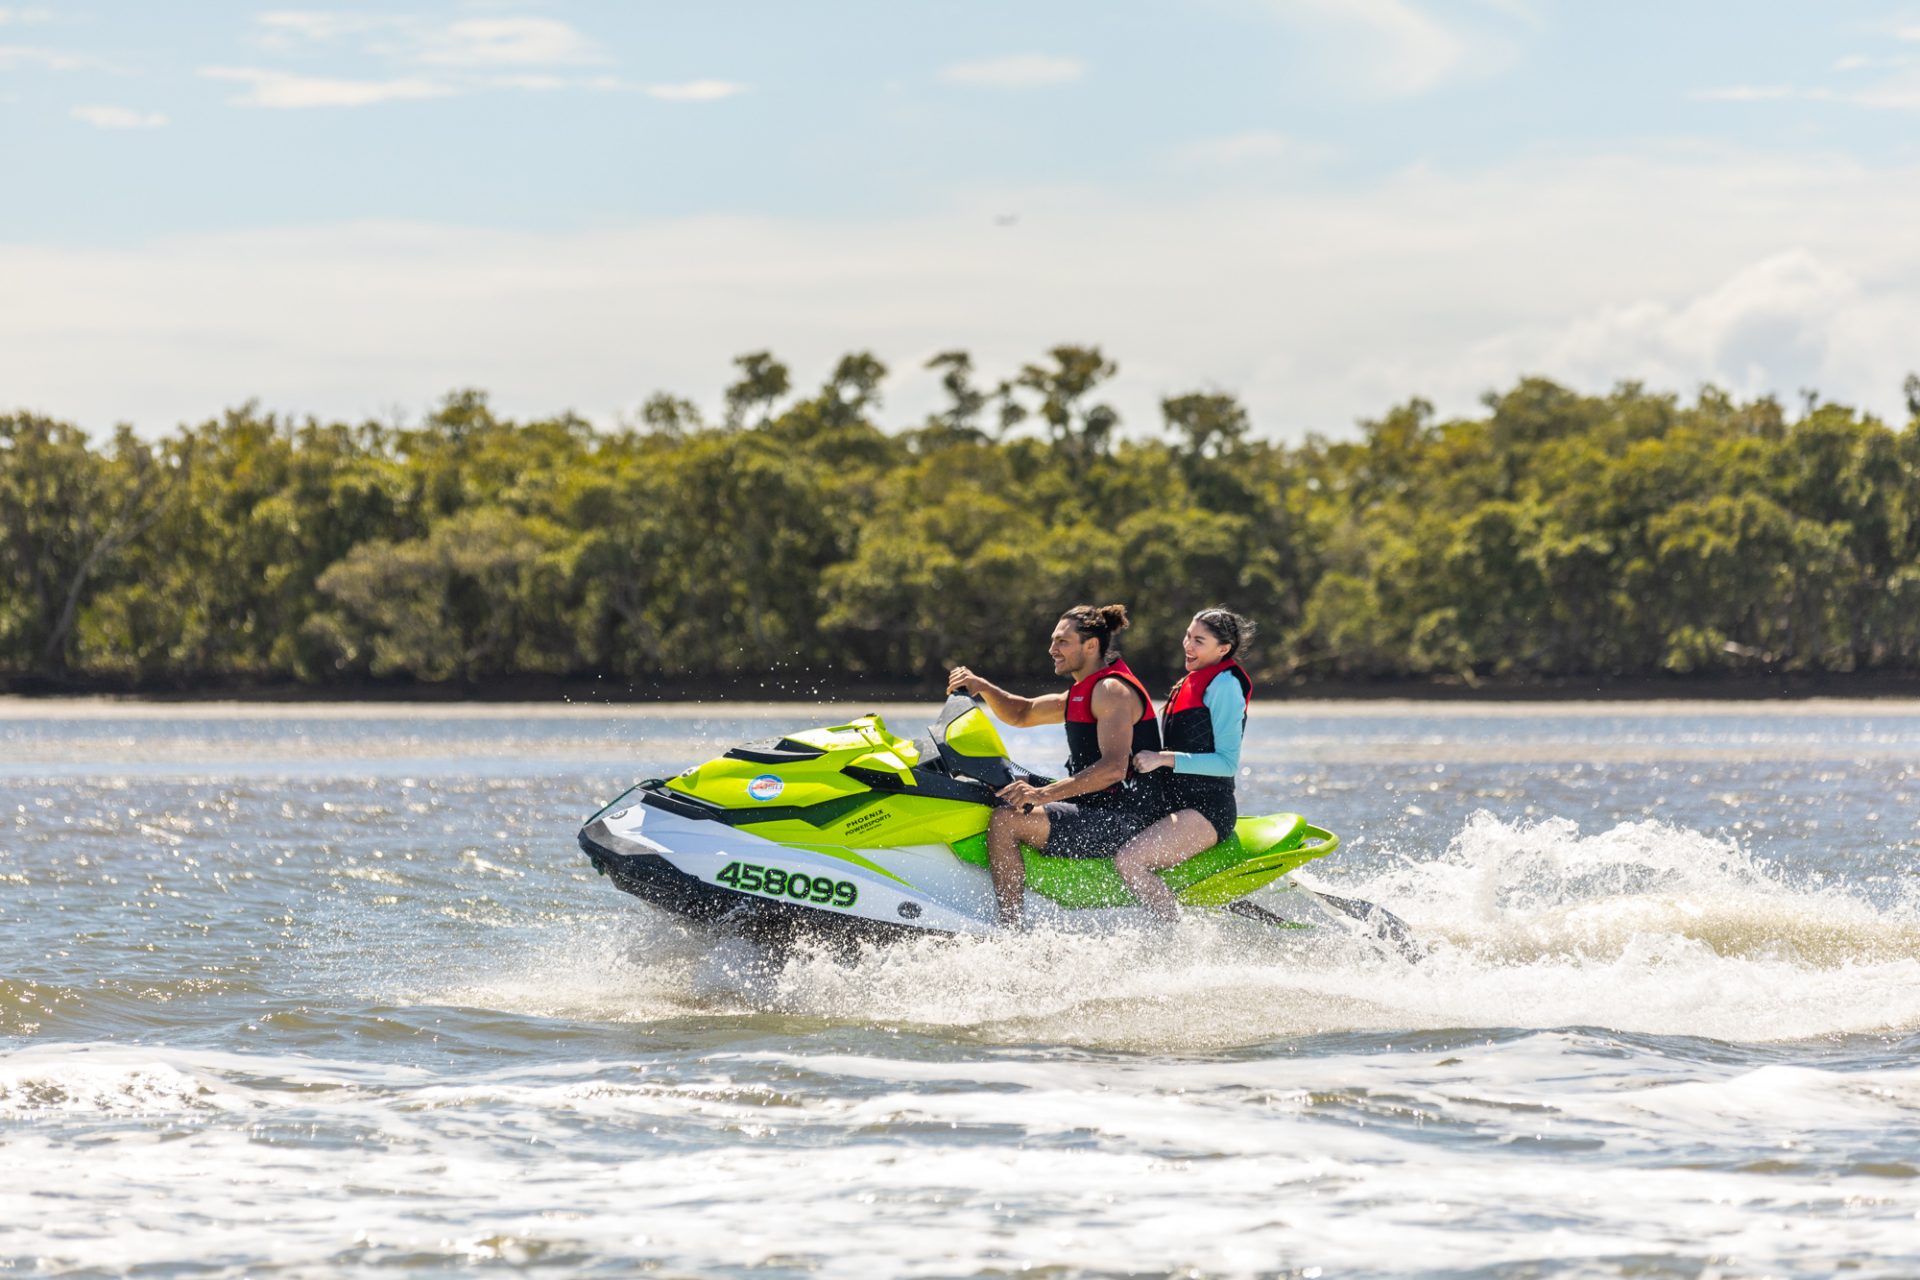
x=961 y=680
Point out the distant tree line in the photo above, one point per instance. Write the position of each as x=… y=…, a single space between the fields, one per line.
x=1556 y=535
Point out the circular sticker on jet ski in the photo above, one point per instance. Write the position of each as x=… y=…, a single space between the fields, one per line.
x=766 y=787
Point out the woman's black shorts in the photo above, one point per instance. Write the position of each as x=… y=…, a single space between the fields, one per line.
x=1212 y=803
x=1216 y=806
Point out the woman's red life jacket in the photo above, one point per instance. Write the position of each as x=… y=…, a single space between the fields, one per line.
x=1188 y=725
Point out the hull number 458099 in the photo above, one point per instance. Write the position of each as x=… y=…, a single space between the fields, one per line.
x=820 y=890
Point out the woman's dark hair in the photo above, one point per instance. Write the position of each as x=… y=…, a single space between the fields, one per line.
x=1228 y=627
x=1102 y=623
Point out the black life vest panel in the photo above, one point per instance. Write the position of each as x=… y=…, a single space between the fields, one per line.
x=1188 y=725
x=1083 y=731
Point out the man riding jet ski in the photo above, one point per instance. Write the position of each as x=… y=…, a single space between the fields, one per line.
x=1100 y=805
x=855 y=832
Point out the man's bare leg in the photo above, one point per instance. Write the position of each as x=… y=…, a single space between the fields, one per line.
x=1007 y=829
x=1166 y=843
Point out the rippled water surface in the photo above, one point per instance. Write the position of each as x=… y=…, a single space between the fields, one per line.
x=317 y=991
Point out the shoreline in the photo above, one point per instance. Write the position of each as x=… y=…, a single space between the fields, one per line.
x=94 y=707
x=550 y=694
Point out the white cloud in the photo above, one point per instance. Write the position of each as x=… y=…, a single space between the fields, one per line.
x=1524 y=11
x=535 y=83
x=1395 y=48
x=288 y=28
x=1898 y=89
x=16 y=55
x=1898 y=93
x=1015 y=71
x=24 y=17
x=696 y=91
x=1774 y=325
x=502 y=42
x=281 y=89
x=119 y=118
x=1747 y=93
x=1318 y=307
x=1251 y=148
x=477 y=43
x=1417 y=52
x=427 y=59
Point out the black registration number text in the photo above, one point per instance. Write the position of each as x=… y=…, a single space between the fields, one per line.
x=785 y=884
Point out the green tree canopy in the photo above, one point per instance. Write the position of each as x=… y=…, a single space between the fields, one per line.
x=1554 y=534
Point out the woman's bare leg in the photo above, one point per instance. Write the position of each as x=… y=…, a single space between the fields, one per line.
x=1166 y=843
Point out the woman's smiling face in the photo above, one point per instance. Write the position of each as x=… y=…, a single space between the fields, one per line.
x=1202 y=647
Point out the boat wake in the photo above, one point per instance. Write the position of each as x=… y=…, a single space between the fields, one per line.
x=1643 y=928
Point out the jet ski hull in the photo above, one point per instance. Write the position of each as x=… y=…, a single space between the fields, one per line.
x=854 y=831
x=655 y=880
x=707 y=871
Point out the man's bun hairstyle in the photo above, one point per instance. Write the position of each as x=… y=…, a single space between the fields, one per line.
x=1098 y=622
x=1230 y=628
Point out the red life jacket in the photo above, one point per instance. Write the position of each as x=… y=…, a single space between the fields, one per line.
x=1188 y=725
x=1083 y=731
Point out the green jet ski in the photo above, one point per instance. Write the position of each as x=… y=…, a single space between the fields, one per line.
x=856 y=832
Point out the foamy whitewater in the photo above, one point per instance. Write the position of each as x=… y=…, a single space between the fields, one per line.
x=325 y=991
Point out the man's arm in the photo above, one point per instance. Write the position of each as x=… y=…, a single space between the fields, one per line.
x=1010 y=708
x=1115 y=709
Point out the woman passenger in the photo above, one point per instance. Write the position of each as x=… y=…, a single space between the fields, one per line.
x=1201 y=728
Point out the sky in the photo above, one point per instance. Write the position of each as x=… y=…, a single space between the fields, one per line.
x=1323 y=207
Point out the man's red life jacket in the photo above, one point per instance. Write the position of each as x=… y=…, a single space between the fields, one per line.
x=1083 y=731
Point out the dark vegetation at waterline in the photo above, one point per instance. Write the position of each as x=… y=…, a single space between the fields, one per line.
x=1559 y=538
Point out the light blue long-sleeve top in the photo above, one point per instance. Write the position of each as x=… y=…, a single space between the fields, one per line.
x=1226 y=705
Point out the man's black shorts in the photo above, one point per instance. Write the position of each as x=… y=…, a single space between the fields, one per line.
x=1095 y=826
